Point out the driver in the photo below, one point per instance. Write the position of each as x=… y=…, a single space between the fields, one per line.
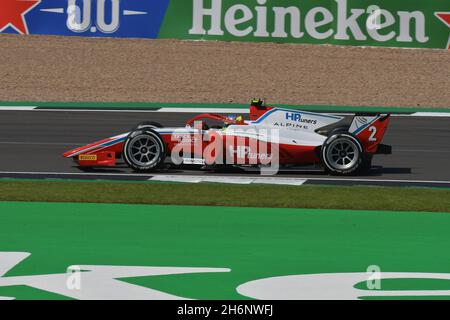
x=234 y=119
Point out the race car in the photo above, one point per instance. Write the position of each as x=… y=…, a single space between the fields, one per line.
x=289 y=138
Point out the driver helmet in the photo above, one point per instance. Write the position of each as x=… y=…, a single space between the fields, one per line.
x=232 y=118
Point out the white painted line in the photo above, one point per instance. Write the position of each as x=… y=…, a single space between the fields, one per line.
x=164 y=110
x=246 y=111
x=41 y=143
x=76 y=173
x=201 y=110
x=198 y=179
x=168 y=178
x=205 y=110
x=431 y=114
x=55 y=10
x=18 y=108
x=281 y=181
x=98 y=110
x=228 y=179
x=272 y=180
x=254 y=178
x=380 y=180
x=133 y=13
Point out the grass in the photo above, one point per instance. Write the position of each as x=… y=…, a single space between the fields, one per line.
x=322 y=197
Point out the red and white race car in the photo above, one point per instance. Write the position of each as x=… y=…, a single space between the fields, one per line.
x=272 y=137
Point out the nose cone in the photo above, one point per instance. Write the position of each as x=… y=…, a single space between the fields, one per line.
x=83 y=149
x=70 y=153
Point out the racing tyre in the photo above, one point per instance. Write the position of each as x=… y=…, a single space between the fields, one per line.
x=342 y=154
x=343 y=129
x=144 y=150
x=147 y=125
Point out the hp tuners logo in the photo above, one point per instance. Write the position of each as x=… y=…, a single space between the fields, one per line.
x=293 y=116
x=297 y=117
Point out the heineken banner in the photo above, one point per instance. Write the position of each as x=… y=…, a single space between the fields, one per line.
x=399 y=23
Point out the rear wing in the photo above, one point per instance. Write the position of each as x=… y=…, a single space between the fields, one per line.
x=370 y=129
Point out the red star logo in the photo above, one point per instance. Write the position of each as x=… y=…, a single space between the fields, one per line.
x=12 y=14
x=445 y=18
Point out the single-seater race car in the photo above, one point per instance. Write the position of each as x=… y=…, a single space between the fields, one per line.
x=291 y=138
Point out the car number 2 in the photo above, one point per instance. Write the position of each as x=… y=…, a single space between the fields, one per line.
x=374 y=132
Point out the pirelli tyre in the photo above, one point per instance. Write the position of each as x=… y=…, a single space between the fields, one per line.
x=144 y=150
x=342 y=154
x=147 y=125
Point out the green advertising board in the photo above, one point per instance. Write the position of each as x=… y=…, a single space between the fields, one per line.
x=399 y=23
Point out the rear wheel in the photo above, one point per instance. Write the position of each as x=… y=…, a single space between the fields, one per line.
x=144 y=150
x=342 y=154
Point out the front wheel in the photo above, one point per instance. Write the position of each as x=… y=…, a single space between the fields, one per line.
x=144 y=150
x=342 y=154
x=147 y=125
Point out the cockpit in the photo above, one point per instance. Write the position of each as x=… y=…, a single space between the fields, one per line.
x=208 y=121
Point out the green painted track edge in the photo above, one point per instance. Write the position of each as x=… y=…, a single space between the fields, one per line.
x=156 y=105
